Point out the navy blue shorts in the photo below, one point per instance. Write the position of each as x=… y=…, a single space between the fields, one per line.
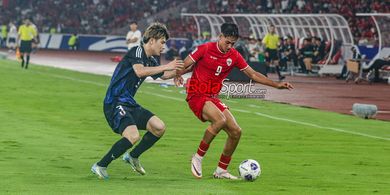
x=272 y=54
x=25 y=46
x=119 y=116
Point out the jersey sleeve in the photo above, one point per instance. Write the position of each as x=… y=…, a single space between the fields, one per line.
x=137 y=57
x=198 y=52
x=240 y=62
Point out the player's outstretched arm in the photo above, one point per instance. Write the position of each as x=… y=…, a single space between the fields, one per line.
x=143 y=71
x=260 y=78
x=169 y=74
x=188 y=67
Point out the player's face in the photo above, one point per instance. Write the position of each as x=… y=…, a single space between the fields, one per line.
x=226 y=43
x=272 y=29
x=133 y=27
x=158 y=46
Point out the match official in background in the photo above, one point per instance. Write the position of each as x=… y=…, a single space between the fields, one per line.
x=133 y=37
x=73 y=42
x=271 y=43
x=26 y=34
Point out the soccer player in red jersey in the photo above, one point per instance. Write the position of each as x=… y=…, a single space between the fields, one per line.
x=211 y=63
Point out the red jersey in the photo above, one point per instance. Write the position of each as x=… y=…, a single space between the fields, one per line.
x=211 y=68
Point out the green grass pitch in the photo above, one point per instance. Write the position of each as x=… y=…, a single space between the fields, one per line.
x=53 y=129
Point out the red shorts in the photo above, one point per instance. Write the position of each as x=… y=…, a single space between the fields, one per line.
x=196 y=103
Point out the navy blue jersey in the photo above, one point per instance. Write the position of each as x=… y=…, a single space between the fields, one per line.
x=124 y=82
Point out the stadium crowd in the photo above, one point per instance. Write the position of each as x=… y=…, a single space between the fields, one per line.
x=70 y=16
x=81 y=16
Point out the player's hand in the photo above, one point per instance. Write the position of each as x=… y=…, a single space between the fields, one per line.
x=175 y=65
x=178 y=80
x=285 y=85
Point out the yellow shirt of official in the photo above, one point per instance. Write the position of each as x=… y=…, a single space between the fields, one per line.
x=271 y=41
x=27 y=33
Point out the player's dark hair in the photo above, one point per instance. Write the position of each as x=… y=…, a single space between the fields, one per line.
x=156 y=31
x=133 y=22
x=229 y=30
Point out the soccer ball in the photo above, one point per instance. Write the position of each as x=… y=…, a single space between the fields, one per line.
x=249 y=170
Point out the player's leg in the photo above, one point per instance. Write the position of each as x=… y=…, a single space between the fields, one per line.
x=275 y=61
x=122 y=122
x=22 y=58
x=210 y=112
x=130 y=136
x=233 y=131
x=156 y=129
x=28 y=51
x=27 y=60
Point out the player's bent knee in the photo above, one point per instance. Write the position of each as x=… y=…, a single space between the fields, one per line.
x=159 y=129
x=131 y=134
x=133 y=138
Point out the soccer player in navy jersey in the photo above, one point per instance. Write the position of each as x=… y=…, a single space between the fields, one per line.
x=210 y=64
x=124 y=115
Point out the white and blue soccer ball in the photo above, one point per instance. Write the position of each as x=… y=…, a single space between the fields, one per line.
x=249 y=170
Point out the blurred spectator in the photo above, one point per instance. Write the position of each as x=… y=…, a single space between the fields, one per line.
x=355 y=57
x=197 y=41
x=374 y=68
x=133 y=37
x=288 y=51
x=305 y=56
x=4 y=33
x=172 y=52
x=12 y=35
x=241 y=47
x=319 y=50
x=206 y=37
x=254 y=49
x=73 y=42
x=106 y=16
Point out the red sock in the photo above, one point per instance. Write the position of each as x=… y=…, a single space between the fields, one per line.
x=203 y=147
x=224 y=161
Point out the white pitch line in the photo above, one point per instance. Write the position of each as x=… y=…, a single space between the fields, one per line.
x=73 y=79
x=165 y=96
x=321 y=127
x=239 y=110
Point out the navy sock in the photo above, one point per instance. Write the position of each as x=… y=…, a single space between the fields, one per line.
x=27 y=61
x=22 y=57
x=147 y=142
x=119 y=148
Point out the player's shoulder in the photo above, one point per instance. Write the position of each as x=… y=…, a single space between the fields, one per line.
x=202 y=48
x=136 y=53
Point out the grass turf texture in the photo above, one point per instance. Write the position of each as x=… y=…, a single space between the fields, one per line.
x=53 y=130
